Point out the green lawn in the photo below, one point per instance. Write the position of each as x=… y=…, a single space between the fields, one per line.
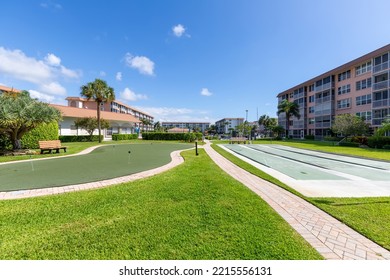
x=194 y=211
x=369 y=216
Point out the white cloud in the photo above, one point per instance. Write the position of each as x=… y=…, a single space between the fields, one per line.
x=19 y=66
x=143 y=64
x=206 y=92
x=178 y=30
x=130 y=95
x=51 y=5
x=118 y=76
x=169 y=114
x=53 y=88
x=70 y=73
x=41 y=96
x=52 y=59
x=46 y=74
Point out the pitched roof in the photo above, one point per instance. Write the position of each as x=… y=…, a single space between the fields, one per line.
x=88 y=113
x=178 y=130
x=8 y=89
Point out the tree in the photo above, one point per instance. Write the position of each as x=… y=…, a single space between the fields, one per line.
x=145 y=122
x=19 y=114
x=267 y=123
x=157 y=127
x=349 y=125
x=385 y=127
x=90 y=124
x=244 y=128
x=99 y=91
x=291 y=109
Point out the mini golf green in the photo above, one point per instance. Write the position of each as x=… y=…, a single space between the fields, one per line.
x=105 y=162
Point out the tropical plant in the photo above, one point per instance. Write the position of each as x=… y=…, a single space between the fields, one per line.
x=268 y=123
x=99 y=91
x=291 y=109
x=384 y=128
x=349 y=125
x=19 y=114
x=90 y=124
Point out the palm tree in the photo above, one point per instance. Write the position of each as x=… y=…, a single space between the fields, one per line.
x=99 y=91
x=291 y=109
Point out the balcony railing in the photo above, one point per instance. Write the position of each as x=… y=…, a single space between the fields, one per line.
x=324 y=86
x=380 y=85
x=380 y=103
x=381 y=67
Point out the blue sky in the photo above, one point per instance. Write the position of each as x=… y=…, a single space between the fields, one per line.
x=191 y=60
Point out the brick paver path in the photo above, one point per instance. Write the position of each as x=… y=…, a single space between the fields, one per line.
x=331 y=238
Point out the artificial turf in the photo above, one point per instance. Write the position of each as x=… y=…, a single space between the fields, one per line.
x=106 y=162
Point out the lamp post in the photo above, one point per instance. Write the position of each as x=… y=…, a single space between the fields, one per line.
x=246 y=117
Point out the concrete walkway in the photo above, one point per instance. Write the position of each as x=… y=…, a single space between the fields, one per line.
x=331 y=238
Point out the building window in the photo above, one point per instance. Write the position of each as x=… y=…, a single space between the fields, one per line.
x=312 y=120
x=311 y=98
x=344 y=89
x=367 y=116
x=311 y=110
x=366 y=83
x=364 y=68
x=345 y=75
x=363 y=100
x=344 y=103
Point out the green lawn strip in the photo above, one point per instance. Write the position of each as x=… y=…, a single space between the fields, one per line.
x=73 y=148
x=194 y=211
x=369 y=216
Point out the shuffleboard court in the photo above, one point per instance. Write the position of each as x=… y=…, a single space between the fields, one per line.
x=318 y=174
x=105 y=162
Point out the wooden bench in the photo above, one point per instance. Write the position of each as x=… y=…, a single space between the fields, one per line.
x=238 y=140
x=51 y=145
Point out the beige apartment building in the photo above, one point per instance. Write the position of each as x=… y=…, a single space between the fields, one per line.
x=359 y=87
x=114 y=107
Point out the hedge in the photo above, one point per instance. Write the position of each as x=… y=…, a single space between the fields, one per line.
x=187 y=137
x=80 y=138
x=42 y=132
x=378 y=142
x=349 y=144
x=309 y=137
x=119 y=137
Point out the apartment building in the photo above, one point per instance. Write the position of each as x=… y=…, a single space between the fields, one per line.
x=227 y=125
x=189 y=126
x=114 y=107
x=359 y=87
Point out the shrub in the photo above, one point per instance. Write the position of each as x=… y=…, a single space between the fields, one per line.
x=362 y=140
x=119 y=137
x=378 y=141
x=43 y=132
x=349 y=144
x=309 y=137
x=387 y=147
x=5 y=143
x=80 y=138
x=332 y=138
x=187 y=137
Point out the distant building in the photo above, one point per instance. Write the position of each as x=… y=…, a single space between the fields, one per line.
x=189 y=126
x=116 y=107
x=360 y=87
x=119 y=123
x=227 y=125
